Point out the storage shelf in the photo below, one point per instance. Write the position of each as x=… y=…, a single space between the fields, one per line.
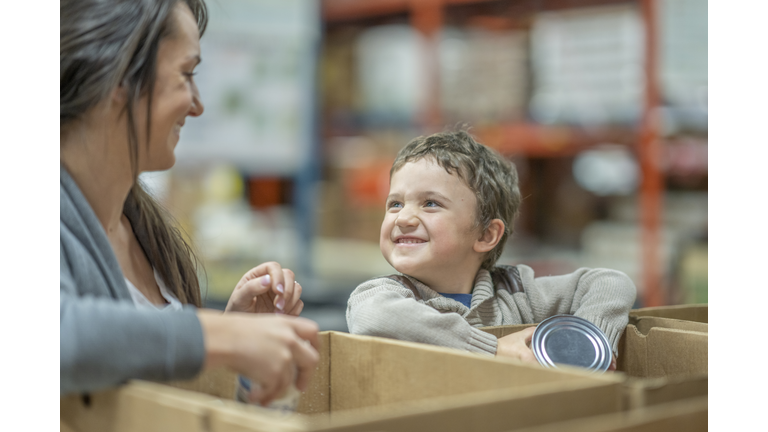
x=534 y=140
x=429 y=16
x=530 y=139
x=348 y=10
x=335 y=11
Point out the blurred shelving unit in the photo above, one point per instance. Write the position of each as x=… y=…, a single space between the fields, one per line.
x=242 y=187
x=520 y=135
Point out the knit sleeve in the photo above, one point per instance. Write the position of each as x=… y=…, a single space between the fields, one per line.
x=105 y=342
x=601 y=296
x=382 y=307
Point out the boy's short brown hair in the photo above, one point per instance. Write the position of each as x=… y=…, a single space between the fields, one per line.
x=492 y=178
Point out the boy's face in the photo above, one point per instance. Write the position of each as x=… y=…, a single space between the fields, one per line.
x=428 y=230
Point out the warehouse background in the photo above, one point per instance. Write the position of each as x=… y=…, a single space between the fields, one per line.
x=602 y=106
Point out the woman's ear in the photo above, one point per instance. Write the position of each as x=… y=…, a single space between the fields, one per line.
x=120 y=95
x=491 y=237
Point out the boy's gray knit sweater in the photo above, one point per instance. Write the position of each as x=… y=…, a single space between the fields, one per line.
x=387 y=308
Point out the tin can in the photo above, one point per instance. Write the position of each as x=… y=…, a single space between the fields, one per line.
x=570 y=340
x=288 y=403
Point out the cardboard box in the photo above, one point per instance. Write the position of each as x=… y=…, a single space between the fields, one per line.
x=645 y=392
x=691 y=312
x=662 y=352
x=663 y=364
x=645 y=323
x=363 y=384
x=658 y=364
x=689 y=415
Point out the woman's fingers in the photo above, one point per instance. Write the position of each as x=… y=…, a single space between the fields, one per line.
x=306 y=359
x=278 y=385
x=307 y=330
x=256 y=394
x=267 y=288
x=292 y=304
x=243 y=297
x=273 y=351
x=257 y=287
x=284 y=293
x=275 y=272
x=297 y=308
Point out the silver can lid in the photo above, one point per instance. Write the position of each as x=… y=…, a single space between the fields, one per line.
x=570 y=340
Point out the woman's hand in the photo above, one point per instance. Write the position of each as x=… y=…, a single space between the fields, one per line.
x=271 y=350
x=268 y=288
x=517 y=346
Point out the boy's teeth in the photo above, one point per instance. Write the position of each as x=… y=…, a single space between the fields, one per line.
x=410 y=241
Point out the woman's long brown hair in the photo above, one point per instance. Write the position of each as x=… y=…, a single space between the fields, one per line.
x=106 y=43
x=164 y=245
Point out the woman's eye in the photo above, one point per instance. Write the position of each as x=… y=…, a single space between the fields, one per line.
x=189 y=75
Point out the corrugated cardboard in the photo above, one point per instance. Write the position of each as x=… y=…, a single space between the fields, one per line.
x=663 y=364
x=691 y=312
x=662 y=352
x=364 y=384
x=660 y=364
x=689 y=415
x=645 y=323
x=643 y=392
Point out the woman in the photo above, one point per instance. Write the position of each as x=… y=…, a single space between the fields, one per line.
x=129 y=294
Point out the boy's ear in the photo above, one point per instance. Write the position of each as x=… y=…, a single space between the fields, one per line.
x=491 y=237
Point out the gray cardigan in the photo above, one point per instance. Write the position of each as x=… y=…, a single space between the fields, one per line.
x=104 y=339
x=401 y=307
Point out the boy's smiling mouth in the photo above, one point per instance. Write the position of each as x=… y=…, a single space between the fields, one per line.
x=409 y=240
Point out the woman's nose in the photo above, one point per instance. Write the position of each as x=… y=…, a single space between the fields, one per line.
x=197 y=107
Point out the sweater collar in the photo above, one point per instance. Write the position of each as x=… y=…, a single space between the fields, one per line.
x=77 y=215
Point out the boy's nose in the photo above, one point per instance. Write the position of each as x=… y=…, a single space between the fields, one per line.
x=406 y=218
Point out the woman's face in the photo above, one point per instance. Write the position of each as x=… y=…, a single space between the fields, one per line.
x=175 y=95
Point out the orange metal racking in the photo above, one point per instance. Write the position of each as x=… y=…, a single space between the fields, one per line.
x=427 y=16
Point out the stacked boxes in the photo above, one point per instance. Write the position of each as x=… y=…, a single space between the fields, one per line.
x=375 y=384
x=364 y=384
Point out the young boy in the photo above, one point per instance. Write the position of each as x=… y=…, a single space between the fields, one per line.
x=451 y=207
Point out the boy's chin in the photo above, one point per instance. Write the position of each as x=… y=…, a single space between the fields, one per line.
x=404 y=269
x=412 y=271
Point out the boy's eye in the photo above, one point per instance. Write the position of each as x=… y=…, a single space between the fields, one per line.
x=431 y=204
x=394 y=204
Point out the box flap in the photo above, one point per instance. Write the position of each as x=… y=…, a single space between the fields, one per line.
x=692 y=312
x=642 y=392
x=685 y=415
x=317 y=398
x=137 y=406
x=493 y=410
x=662 y=352
x=387 y=371
x=645 y=323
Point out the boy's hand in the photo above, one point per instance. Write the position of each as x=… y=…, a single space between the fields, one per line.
x=517 y=346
